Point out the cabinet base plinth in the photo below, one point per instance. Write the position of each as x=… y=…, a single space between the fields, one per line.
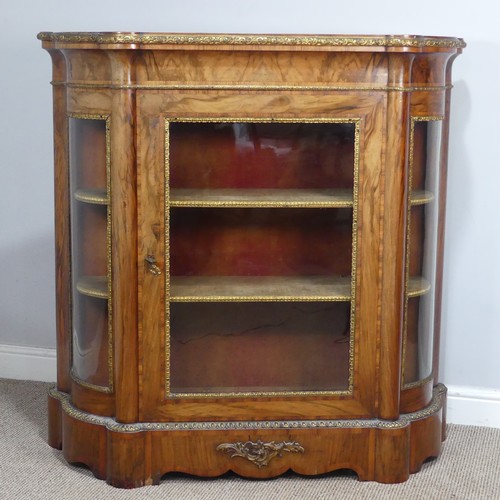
x=133 y=455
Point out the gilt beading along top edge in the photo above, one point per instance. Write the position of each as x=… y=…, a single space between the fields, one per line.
x=247 y=39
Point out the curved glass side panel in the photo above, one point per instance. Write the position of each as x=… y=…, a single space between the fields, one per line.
x=90 y=255
x=422 y=227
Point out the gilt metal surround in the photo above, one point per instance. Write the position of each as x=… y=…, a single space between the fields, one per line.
x=352 y=321
x=248 y=39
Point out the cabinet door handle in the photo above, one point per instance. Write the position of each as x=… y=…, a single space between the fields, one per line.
x=152 y=267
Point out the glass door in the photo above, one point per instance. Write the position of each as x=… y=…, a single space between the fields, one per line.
x=250 y=254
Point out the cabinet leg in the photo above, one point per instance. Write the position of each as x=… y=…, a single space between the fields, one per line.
x=129 y=460
x=84 y=443
x=55 y=423
x=392 y=455
x=428 y=431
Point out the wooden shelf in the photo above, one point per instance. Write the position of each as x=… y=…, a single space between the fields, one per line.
x=93 y=196
x=417 y=287
x=261 y=198
x=269 y=198
x=93 y=286
x=421 y=197
x=259 y=288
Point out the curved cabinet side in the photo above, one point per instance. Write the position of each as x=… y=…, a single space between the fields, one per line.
x=62 y=222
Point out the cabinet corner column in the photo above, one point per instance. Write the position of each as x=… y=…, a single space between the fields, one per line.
x=124 y=236
x=394 y=235
x=443 y=180
x=62 y=222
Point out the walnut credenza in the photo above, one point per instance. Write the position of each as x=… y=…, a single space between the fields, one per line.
x=249 y=236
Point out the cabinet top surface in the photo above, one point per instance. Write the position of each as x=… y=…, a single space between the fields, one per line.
x=135 y=40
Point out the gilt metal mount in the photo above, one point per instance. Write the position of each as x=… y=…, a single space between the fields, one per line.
x=260 y=453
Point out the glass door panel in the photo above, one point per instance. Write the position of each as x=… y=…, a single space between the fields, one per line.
x=261 y=220
x=268 y=155
x=259 y=347
x=421 y=249
x=90 y=243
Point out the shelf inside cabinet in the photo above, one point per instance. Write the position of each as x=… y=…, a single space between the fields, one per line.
x=93 y=196
x=417 y=287
x=93 y=286
x=262 y=198
x=259 y=288
x=421 y=197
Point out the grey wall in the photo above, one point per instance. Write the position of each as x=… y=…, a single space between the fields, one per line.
x=471 y=308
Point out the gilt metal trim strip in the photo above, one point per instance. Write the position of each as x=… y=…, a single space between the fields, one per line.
x=418 y=383
x=248 y=39
x=252 y=87
x=439 y=395
x=261 y=298
x=89 y=385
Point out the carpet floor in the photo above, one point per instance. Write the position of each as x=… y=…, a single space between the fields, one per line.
x=468 y=469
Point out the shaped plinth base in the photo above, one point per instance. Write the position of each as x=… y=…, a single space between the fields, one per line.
x=132 y=455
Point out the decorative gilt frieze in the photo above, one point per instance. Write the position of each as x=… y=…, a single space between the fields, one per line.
x=260 y=453
x=228 y=39
x=252 y=87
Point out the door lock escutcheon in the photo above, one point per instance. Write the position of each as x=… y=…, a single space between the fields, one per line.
x=152 y=266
